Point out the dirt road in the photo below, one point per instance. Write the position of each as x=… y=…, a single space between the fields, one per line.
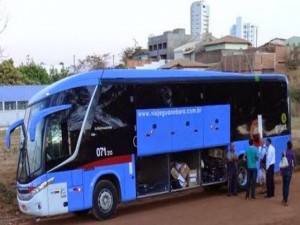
x=195 y=207
x=199 y=207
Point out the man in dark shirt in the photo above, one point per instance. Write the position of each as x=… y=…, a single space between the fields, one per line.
x=232 y=170
x=287 y=172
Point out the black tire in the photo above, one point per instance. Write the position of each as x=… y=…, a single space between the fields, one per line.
x=105 y=200
x=82 y=212
x=242 y=175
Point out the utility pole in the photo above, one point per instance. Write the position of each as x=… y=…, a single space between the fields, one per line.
x=113 y=61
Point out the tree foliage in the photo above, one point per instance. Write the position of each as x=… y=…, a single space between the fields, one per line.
x=57 y=74
x=93 y=62
x=10 y=75
x=129 y=53
x=35 y=73
x=30 y=73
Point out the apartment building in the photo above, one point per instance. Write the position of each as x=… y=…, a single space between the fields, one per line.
x=199 y=18
x=162 y=46
x=246 y=31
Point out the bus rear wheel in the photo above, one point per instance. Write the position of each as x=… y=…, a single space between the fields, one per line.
x=242 y=175
x=82 y=212
x=104 y=200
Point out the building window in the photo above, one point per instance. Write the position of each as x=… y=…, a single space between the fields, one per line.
x=150 y=47
x=10 y=106
x=22 y=104
x=159 y=46
x=165 y=45
x=1 y=106
x=155 y=47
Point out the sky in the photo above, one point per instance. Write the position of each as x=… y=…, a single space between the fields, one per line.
x=54 y=31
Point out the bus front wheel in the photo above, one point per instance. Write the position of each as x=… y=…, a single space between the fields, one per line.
x=104 y=200
x=242 y=175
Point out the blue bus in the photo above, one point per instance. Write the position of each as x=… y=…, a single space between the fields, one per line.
x=97 y=139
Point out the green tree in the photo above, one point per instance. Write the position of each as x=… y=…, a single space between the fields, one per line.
x=129 y=53
x=35 y=73
x=57 y=74
x=10 y=75
x=93 y=62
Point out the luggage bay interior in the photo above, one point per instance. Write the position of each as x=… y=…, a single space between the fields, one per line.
x=177 y=171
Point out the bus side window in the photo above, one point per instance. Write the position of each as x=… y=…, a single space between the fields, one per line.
x=115 y=103
x=248 y=100
x=153 y=96
x=274 y=94
x=57 y=139
x=219 y=93
x=187 y=94
x=275 y=108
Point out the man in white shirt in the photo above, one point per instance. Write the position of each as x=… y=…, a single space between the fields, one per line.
x=270 y=162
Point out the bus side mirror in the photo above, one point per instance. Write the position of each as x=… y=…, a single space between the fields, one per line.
x=41 y=115
x=11 y=129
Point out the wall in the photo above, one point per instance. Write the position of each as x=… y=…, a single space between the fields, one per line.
x=8 y=117
x=255 y=62
x=173 y=39
x=231 y=46
x=209 y=57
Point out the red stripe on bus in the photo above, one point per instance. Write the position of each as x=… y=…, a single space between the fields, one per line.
x=108 y=161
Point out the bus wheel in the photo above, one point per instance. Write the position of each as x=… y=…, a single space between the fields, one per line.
x=82 y=212
x=242 y=175
x=104 y=200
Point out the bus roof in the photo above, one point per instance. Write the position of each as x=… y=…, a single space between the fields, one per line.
x=162 y=75
x=145 y=76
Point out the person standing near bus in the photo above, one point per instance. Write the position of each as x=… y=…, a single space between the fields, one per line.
x=232 y=159
x=261 y=174
x=251 y=158
x=286 y=173
x=270 y=162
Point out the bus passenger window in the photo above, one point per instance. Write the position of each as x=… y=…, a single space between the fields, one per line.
x=187 y=94
x=154 y=96
x=57 y=140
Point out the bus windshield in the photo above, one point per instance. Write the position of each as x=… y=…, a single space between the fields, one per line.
x=31 y=155
x=56 y=135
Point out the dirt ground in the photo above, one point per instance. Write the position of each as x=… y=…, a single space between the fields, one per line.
x=198 y=207
x=192 y=207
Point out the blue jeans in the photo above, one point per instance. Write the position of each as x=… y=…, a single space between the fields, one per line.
x=286 y=180
x=251 y=182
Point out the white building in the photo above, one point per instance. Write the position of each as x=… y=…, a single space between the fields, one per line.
x=199 y=18
x=14 y=100
x=246 y=31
